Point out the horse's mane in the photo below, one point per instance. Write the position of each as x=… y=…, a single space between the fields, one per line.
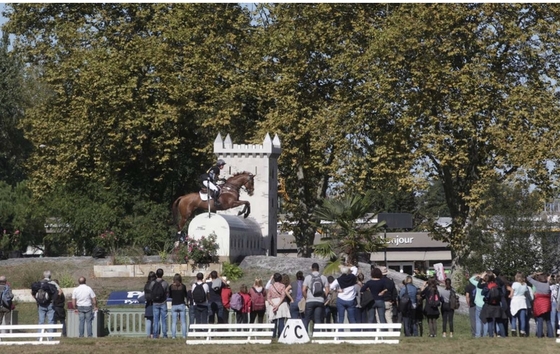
x=241 y=173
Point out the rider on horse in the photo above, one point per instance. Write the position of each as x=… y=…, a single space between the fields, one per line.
x=210 y=178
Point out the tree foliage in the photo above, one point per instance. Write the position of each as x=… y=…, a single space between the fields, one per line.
x=382 y=97
x=512 y=233
x=14 y=99
x=138 y=90
x=460 y=93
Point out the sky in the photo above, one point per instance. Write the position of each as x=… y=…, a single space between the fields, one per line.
x=2 y=19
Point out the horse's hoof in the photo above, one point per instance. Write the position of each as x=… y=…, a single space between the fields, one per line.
x=239 y=213
x=245 y=216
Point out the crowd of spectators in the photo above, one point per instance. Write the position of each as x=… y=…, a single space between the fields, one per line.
x=501 y=307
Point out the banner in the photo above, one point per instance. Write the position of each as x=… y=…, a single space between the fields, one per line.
x=440 y=272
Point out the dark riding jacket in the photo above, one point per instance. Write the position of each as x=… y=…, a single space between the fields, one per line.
x=213 y=173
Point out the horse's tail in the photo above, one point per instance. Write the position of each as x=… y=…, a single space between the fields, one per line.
x=175 y=211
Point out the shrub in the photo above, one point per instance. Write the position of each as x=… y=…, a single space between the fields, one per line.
x=203 y=250
x=232 y=271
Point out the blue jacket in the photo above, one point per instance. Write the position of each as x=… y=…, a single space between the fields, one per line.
x=412 y=290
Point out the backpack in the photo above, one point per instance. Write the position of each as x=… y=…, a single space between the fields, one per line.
x=43 y=293
x=317 y=287
x=158 y=293
x=494 y=296
x=453 y=300
x=6 y=297
x=148 y=291
x=198 y=294
x=333 y=295
x=236 y=302
x=433 y=300
x=257 y=298
x=404 y=303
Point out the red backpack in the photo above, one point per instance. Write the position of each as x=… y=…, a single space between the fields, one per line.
x=257 y=299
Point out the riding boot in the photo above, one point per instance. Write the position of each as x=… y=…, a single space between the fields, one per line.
x=216 y=197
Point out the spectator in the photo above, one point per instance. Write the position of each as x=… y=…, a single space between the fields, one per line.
x=226 y=298
x=286 y=281
x=215 y=306
x=160 y=307
x=258 y=301
x=200 y=307
x=541 y=305
x=6 y=303
x=554 y=300
x=297 y=295
x=518 y=306
x=330 y=304
x=59 y=303
x=492 y=310
x=45 y=308
x=481 y=327
x=419 y=314
x=361 y=311
x=409 y=315
x=315 y=289
x=246 y=309
x=85 y=303
x=446 y=311
x=378 y=287
x=178 y=295
x=277 y=309
x=431 y=310
x=470 y=294
x=345 y=285
x=389 y=297
x=190 y=304
x=148 y=304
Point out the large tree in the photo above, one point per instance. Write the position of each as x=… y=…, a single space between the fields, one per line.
x=139 y=91
x=461 y=93
x=307 y=92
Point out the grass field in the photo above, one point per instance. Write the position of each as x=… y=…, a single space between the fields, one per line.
x=19 y=275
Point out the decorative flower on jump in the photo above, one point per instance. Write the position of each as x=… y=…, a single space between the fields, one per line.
x=203 y=250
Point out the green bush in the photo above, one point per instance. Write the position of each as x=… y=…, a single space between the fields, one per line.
x=232 y=271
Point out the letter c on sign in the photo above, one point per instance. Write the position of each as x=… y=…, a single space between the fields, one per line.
x=286 y=331
x=296 y=332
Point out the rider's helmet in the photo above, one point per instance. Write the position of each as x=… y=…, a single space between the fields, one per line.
x=220 y=162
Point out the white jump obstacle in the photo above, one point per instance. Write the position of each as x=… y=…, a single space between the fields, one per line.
x=247 y=333
x=40 y=334
x=356 y=333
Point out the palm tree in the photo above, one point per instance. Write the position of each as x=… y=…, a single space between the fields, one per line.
x=349 y=230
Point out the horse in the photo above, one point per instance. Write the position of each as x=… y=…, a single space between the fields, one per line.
x=186 y=204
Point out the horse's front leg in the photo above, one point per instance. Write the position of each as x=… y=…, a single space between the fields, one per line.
x=247 y=209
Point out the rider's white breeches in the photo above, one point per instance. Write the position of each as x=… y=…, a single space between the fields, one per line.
x=210 y=185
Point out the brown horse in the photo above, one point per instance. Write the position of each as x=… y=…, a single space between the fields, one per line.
x=185 y=205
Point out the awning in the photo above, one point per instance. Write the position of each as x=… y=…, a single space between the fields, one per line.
x=412 y=256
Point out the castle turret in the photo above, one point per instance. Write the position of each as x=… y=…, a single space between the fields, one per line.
x=262 y=161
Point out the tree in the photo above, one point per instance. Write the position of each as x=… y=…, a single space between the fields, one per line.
x=14 y=148
x=460 y=93
x=305 y=92
x=139 y=91
x=350 y=233
x=512 y=233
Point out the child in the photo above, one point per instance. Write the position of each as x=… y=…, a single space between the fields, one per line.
x=244 y=313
